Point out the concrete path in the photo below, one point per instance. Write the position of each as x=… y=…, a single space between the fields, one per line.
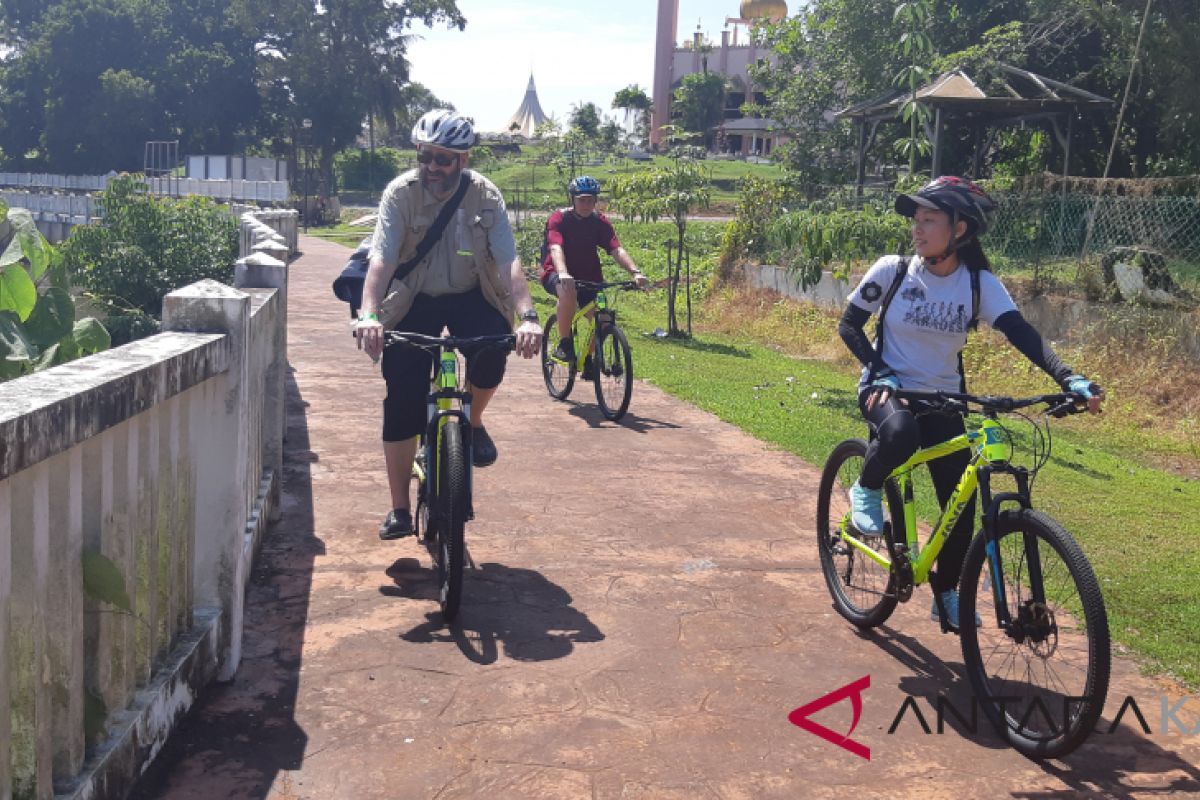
x=645 y=611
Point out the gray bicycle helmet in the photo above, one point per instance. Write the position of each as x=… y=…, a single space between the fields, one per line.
x=958 y=197
x=446 y=129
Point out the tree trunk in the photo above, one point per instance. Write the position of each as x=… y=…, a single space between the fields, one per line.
x=681 y=224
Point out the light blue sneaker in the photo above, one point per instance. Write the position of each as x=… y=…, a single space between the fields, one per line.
x=866 y=506
x=950 y=603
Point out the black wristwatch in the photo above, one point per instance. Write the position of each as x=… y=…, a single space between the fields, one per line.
x=530 y=316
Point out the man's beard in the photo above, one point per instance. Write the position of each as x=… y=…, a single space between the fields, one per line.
x=441 y=186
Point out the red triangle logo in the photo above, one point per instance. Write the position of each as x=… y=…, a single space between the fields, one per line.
x=800 y=717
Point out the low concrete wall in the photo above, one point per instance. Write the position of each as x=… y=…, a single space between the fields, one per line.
x=1059 y=319
x=257 y=224
x=160 y=459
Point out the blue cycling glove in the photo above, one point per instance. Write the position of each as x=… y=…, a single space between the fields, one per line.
x=1080 y=385
x=889 y=382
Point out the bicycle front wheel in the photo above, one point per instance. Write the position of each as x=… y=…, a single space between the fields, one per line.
x=559 y=377
x=1042 y=682
x=863 y=591
x=451 y=515
x=614 y=372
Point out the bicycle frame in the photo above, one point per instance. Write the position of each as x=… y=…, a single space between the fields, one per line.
x=990 y=456
x=590 y=314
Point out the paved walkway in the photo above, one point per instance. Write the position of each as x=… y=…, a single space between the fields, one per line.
x=645 y=610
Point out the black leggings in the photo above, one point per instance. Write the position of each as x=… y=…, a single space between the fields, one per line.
x=407 y=369
x=897 y=433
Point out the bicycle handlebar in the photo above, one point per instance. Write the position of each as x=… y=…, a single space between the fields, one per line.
x=1060 y=404
x=507 y=340
x=602 y=285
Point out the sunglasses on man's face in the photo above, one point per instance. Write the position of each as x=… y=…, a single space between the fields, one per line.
x=441 y=159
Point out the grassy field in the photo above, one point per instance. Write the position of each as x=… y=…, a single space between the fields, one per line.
x=530 y=181
x=1126 y=483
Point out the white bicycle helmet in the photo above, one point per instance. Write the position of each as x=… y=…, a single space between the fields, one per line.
x=446 y=129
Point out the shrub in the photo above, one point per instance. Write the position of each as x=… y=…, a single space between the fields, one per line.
x=38 y=328
x=355 y=170
x=816 y=240
x=145 y=247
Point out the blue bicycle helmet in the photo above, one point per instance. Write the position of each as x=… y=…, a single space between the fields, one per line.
x=585 y=185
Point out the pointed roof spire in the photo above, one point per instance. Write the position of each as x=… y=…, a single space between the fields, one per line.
x=528 y=116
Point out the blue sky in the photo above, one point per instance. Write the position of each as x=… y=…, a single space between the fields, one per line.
x=579 y=51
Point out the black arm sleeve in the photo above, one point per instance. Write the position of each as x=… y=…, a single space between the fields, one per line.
x=850 y=328
x=1025 y=338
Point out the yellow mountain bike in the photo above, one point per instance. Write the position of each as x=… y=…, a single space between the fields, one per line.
x=1039 y=662
x=442 y=468
x=612 y=363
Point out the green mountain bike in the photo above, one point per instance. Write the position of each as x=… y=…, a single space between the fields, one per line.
x=442 y=469
x=593 y=324
x=1039 y=663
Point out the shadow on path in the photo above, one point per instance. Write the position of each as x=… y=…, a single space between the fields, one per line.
x=509 y=608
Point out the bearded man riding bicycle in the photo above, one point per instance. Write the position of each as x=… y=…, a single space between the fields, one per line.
x=470 y=281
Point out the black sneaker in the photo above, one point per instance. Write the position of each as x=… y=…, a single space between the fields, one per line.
x=565 y=350
x=589 y=369
x=483 y=449
x=396 y=525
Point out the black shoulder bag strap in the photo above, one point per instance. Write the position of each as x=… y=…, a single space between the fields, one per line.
x=883 y=308
x=435 y=231
x=972 y=324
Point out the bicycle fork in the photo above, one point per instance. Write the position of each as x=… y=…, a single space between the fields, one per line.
x=995 y=566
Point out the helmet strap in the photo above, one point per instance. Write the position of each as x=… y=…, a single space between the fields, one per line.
x=954 y=244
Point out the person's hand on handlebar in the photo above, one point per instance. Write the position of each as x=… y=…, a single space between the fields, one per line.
x=881 y=389
x=1092 y=392
x=641 y=280
x=369 y=332
x=529 y=335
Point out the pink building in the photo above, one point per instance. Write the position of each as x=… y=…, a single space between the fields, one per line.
x=674 y=60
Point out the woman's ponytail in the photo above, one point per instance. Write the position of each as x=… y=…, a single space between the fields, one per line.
x=971 y=254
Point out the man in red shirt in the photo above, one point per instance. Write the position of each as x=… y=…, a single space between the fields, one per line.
x=575 y=236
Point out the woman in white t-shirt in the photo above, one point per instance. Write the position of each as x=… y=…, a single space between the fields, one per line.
x=946 y=286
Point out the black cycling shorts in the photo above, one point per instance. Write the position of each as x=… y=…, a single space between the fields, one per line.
x=407 y=370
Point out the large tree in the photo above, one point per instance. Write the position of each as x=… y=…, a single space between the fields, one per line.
x=699 y=104
x=78 y=97
x=585 y=119
x=335 y=63
x=837 y=52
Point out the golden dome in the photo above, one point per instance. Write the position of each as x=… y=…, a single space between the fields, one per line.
x=774 y=10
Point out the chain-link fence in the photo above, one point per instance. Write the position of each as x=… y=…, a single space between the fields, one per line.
x=1058 y=231
x=1053 y=233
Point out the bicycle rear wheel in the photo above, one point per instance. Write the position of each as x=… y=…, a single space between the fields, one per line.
x=614 y=372
x=1042 y=682
x=451 y=513
x=559 y=377
x=863 y=591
